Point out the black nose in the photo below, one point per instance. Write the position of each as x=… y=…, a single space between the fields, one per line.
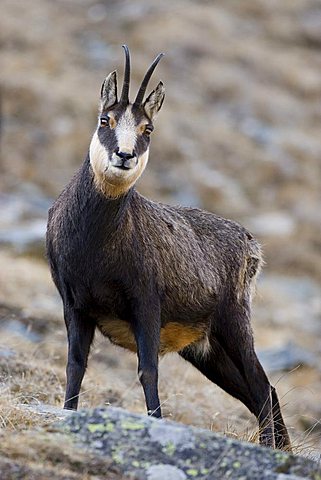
x=125 y=155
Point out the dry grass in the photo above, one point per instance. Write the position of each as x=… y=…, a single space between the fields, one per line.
x=23 y=384
x=43 y=456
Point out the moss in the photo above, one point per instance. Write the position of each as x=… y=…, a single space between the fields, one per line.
x=110 y=427
x=100 y=427
x=131 y=425
x=280 y=456
x=204 y=471
x=105 y=415
x=116 y=457
x=169 y=449
x=285 y=463
x=192 y=472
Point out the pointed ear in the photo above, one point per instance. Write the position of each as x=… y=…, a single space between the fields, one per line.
x=154 y=101
x=108 y=93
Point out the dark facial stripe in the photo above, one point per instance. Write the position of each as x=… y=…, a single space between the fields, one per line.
x=108 y=136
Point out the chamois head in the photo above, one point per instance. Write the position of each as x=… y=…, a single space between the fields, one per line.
x=119 y=148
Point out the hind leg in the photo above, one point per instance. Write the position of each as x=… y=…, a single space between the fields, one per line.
x=233 y=331
x=282 y=439
x=218 y=367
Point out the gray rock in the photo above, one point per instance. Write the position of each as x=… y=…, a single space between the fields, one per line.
x=302 y=289
x=26 y=204
x=296 y=301
x=17 y=328
x=47 y=411
x=28 y=237
x=15 y=321
x=23 y=222
x=153 y=449
x=274 y=224
x=286 y=358
x=6 y=352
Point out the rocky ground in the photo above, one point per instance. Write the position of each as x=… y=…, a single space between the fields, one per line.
x=239 y=134
x=115 y=444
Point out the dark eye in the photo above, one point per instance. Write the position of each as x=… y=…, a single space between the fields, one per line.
x=148 y=129
x=104 y=121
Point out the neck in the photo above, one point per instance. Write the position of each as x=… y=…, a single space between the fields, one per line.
x=98 y=211
x=108 y=190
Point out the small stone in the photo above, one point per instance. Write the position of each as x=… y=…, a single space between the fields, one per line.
x=162 y=472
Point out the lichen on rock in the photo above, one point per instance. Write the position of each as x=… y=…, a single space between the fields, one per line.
x=153 y=449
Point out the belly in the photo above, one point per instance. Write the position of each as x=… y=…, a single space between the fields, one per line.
x=173 y=337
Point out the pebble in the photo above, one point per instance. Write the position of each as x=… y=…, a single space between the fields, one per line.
x=160 y=472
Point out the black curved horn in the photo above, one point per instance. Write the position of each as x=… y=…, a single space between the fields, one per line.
x=125 y=91
x=142 y=90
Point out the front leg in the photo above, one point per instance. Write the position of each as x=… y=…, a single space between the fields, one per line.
x=147 y=334
x=80 y=336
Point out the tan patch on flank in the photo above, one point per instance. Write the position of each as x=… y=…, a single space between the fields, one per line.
x=174 y=336
x=119 y=333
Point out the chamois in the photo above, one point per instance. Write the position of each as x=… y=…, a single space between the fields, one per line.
x=154 y=278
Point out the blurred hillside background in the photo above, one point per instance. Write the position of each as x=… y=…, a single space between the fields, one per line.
x=239 y=135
